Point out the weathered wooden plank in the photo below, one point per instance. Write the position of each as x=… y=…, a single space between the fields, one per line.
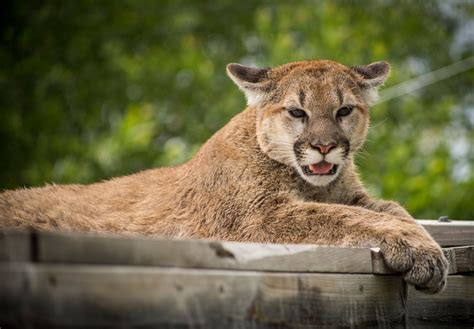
x=12 y=289
x=450 y=234
x=453 y=308
x=90 y=249
x=461 y=259
x=15 y=246
x=59 y=296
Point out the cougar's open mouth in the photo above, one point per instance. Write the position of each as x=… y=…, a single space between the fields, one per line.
x=320 y=168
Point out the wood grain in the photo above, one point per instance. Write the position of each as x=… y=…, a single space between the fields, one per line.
x=65 y=296
x=461 y=259
x=450 y=234
x=117 y=250
x=15 y=246
x=90 y=249
x=453 y=308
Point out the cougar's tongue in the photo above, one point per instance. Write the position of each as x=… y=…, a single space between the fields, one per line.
x=321 y=168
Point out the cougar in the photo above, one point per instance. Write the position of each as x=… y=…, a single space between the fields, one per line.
x=281 y=171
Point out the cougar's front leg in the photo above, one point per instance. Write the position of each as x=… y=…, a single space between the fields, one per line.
x=405 y=244
x=389 y=207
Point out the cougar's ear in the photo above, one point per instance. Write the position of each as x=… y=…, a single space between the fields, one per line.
x=371 y=77
x=253 y=81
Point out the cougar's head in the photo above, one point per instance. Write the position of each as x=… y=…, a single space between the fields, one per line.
x=311 y=115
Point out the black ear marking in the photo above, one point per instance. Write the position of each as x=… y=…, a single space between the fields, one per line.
x=253 y=81
x=248 y=73
x=374 y=70
x=374 y=74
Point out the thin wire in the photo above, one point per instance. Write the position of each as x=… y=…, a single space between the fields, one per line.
x=427 y=79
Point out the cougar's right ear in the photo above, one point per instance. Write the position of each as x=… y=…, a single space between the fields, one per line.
x=371 y=77
x=253 y=81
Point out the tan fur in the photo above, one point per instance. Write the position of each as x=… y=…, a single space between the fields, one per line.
x=246 y=183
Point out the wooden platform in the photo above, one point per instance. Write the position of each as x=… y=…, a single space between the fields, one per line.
x=75 y=281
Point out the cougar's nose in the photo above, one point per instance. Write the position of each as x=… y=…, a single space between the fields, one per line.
x=323 y=149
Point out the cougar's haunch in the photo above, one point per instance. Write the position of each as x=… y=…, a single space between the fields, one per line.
x=281 y=171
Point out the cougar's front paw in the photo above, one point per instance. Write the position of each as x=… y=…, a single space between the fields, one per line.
x=420 y=258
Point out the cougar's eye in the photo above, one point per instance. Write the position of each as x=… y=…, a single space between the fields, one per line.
x=344 y=111
x=297 y=113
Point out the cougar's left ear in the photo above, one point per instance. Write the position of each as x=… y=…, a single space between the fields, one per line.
x=371 y=77
x=253 y=81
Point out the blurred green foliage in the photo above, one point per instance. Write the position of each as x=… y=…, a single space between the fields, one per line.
x=94 y=89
